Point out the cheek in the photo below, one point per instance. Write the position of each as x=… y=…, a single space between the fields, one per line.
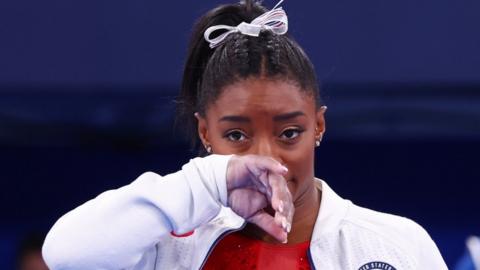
x=300 y=163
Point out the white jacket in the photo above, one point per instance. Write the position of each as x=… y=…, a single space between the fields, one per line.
x=130 y=228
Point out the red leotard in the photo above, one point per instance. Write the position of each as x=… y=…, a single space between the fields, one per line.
x=237 y=251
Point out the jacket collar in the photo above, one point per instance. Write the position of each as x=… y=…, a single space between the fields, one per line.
x=333 y=209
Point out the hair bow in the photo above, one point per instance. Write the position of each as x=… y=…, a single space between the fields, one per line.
x=275 y=20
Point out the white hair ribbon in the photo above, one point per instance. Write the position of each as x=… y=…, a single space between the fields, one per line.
x=275 y=20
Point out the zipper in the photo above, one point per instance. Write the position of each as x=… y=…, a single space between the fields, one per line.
x=219 y=238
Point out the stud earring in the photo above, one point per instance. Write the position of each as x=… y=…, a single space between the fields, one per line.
x=208 y=148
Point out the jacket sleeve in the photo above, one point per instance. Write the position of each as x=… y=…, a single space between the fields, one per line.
x=429 y=256
x=113 y=230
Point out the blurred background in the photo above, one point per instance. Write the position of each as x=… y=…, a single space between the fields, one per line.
x=87 y=89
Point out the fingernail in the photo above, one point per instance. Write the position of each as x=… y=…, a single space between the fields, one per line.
x=289 y=227
x=285 y=241
x=284 y=224
x=285 y=169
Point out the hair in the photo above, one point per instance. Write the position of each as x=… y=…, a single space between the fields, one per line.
x=208 y=71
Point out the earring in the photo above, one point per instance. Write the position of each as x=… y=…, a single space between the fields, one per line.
x=208 y=148
x=317 y=141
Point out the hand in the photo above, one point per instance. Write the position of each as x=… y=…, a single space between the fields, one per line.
x=253 y=183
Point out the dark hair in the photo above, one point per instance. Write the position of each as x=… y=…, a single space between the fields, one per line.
x=207 y=71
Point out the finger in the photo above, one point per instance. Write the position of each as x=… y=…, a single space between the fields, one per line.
x=282 y=221
x=262 y=181
x=281 y=200
x=246 y=202
x=267 y=223
x=241 y=170
x=259 y=164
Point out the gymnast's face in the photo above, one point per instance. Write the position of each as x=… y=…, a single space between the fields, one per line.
x=266 y=117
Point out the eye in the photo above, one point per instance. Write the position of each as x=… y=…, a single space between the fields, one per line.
x=235 y=136
x=290 y=133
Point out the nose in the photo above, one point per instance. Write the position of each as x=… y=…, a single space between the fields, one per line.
x=265 y=147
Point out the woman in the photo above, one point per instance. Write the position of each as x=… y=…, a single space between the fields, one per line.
x=252 y=97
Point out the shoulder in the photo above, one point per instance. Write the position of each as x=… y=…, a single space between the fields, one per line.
x=383 y=224
x=407 y=236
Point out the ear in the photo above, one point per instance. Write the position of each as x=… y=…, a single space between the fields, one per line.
x=202 y=129
x=320 y=123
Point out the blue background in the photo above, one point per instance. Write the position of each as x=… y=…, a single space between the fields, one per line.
x=87 y=88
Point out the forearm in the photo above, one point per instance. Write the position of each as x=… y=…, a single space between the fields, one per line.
x=113 y=230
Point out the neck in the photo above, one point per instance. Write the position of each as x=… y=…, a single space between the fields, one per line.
x=307 y=206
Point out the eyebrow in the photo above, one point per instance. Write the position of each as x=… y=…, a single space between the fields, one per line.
x=235 y=118
x=287 y=116
x=276 y=118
